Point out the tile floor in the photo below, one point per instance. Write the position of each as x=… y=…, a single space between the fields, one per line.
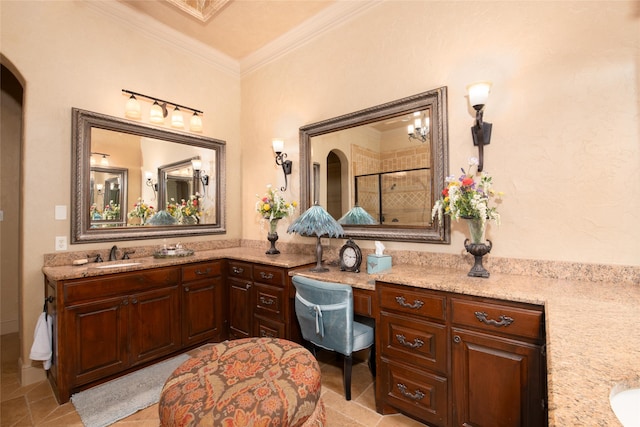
x=35 y=405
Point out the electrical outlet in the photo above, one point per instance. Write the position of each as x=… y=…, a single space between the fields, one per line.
x=61 y=243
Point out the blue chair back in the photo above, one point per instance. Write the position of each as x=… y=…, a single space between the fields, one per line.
x=325 y=313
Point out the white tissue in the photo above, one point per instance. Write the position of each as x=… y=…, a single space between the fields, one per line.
x=379 y=248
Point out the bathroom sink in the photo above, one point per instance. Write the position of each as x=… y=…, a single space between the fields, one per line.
x=118 y=265
x=626 y=405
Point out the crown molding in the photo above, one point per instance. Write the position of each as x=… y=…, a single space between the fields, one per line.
x=329 y=18
x=157 y=31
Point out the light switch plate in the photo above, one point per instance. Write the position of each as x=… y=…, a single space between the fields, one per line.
x=61 y=212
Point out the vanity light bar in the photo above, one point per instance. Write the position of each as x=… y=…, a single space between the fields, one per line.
x=132 y=110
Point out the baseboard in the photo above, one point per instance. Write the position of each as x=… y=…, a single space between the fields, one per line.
x=30 y=374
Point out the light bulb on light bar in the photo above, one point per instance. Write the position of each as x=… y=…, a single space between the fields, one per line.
x=155 y=113
x=177 y=121
x=132 y=108
x=195 y=124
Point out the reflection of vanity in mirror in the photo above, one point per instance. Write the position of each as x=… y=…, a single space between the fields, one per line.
x=137 y=181
x=379 y=170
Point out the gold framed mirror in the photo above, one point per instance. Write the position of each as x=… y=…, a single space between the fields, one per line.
x=367 y=160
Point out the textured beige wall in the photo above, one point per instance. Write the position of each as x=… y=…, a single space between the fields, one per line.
x=71 y=55
x=564 y=104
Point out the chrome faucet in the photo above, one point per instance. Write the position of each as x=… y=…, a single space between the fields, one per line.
x=113 y=254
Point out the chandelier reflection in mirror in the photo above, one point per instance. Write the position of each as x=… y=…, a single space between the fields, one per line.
x=419 y=130
x=158 y=111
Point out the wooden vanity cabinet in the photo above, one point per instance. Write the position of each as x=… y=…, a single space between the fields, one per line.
x=457 y=360
x=202 y=290
x=108 y=324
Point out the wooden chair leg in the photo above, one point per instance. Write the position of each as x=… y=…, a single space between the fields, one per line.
x=348 y=361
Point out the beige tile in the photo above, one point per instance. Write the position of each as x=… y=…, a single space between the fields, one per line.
x=398 y=420
x=350 y=409
x=15 y=412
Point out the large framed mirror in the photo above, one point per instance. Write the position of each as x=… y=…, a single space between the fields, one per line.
x=375 y=178
x=137 y=181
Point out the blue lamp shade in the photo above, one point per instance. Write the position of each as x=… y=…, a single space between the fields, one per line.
x=316 y=221
x=357 y=216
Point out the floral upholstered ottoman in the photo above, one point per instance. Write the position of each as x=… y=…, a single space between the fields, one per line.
x=245 y=382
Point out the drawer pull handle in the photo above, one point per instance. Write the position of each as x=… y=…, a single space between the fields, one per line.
x=417 y=342
x=502 y=320
x=267 y=301
x=207 y=271
x=266 y=276
x=416 y=303
x=265 y=334
x=237 y=270
x=418 y=395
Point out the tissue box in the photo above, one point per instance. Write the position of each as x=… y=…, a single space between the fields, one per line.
x=378 y=263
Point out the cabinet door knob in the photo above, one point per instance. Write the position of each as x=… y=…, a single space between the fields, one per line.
x=457 y=339
x=248 y=286
x=418 y=395
x=125 y=302
x=134 y=301
x=186 y=289
x=503 y=320
x=416 y=303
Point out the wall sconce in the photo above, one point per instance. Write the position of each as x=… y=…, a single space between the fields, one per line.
x=158 y=111
x=278 y=146
x=420 y=127
x=200 y=175
x=99 y=189
x=480 y=131
x=150 y=183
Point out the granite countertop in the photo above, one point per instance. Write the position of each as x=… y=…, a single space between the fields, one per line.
x=593 y=341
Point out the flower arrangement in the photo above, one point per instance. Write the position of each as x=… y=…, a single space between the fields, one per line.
x=172 y=207
x=465 y=198
x=141 y=210
x=272 y=206
x=111 y=211
x=94 y=212
x=189 y=208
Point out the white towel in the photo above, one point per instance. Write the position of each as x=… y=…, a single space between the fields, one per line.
x=41 y=349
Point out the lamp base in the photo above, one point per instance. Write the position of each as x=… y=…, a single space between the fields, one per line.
x=319 y=267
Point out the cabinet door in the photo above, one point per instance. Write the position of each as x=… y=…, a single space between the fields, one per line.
x=202 y=311
x=97 y=339
x=496 y=381
x=155 y=324
x=240 y=308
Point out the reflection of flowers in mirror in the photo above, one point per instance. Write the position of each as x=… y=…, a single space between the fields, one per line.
x=141 y=210
x=186 y=210
x=463 y=197
x=272 y=206
x=111 y=211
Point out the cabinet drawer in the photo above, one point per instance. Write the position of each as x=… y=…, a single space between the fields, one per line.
x=265 y=328
x=419 y=393
x=412 y=301
x=269 y=275
x=498 y=318
x=269 y=301
x=240 y=270
x=413 y=341
x=118 y=284
x=201 y=270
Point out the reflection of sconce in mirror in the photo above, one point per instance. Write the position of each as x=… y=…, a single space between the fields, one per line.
x=99 y=188
x=278 y=146
x=480 y=131
x=200 y=175
x=103 y=161
x=420 y=128
x=158 y=111
x=150 y=183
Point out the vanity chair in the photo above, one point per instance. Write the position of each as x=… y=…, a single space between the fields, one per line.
x=325 y=313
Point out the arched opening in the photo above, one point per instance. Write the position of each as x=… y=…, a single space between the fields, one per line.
x=11 y=106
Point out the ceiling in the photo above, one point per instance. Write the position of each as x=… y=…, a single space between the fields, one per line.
x=237 y=28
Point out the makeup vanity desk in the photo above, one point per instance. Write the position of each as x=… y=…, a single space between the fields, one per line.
x=590 y=330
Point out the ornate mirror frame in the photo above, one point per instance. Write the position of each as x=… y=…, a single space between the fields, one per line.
x=81 y=230
x=436 y=101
